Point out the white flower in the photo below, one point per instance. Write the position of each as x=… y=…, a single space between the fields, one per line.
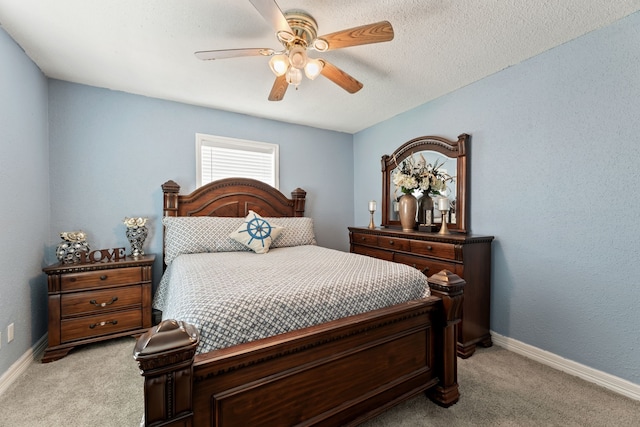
x=134 y=222
x=422 y=175
x=73 y=236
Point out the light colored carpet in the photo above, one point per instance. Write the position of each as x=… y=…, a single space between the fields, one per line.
x=99 y=385
x=95 y=385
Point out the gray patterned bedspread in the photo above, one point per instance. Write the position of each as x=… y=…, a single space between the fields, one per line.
x=236 y=297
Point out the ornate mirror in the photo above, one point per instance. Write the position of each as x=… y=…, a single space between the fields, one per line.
x=452 y=158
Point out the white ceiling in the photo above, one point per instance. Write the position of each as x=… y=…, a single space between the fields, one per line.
x=146 y=47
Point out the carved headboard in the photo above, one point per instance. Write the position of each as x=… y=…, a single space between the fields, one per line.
x=231 y=197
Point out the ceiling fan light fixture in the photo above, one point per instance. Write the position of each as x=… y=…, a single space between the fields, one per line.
x=313 y=68
x=298 y=57
x=294 y=76
x=321 y=45
x=285 y=36
x=279 y=64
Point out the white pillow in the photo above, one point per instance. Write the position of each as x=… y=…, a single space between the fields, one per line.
x=256 y=233
x=297 y=231
x=197 y=234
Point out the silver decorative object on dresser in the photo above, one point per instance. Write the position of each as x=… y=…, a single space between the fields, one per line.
x=136 y=234
x=73 y=245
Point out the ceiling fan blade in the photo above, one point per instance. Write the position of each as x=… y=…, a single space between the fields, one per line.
x=372 y=33
x=279 y=88
x=207 y=55
x=339 y=77
x=271 y=12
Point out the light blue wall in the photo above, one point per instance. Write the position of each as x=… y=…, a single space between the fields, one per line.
x=111 y=151
x=24 y=191
x=555 y=158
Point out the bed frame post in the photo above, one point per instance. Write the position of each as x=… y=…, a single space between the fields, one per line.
x=170 y=190
x=165 y=356
x=170 y=207
x=449 y=287
x=298 y=195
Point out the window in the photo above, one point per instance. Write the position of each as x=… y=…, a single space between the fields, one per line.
x=218 y=157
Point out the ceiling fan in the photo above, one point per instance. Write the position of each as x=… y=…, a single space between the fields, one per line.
x=297 y=31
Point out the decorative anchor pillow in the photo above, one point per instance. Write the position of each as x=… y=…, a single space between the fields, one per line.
x=256 y=233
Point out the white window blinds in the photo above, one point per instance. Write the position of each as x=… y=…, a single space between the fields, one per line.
x=219 y=157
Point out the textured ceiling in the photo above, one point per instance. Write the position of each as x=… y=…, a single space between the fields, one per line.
x=146 y=47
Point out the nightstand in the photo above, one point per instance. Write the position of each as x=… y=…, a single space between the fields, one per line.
x=97 y=301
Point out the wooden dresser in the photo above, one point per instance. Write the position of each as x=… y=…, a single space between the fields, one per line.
x=97 y=301
x=468 y=256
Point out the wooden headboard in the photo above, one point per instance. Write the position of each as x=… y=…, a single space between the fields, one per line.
x=232 y=197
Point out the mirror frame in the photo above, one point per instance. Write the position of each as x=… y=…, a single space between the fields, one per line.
x=452 y=149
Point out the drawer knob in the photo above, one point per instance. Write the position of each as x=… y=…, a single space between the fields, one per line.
x=429 y=248
x=363 y=238
x=103 y=304
x=103 y=277
x=391 y=242
x=108 y=322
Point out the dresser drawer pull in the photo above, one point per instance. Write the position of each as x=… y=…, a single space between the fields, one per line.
x=425 y=270
x=103 y=304
x=429 y=248
x=391 y=242
x=103 y=277
x=109 y=322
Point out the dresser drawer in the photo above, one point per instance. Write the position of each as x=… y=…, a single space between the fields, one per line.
x=101 y=324
x=427 y=266
x=373 y=252
x=364 y=239
x=100 y=300
x=394 y=243
x=100 y=278
x=434 y=249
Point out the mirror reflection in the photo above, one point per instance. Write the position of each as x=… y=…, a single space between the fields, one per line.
x=427 y=166
x=435 y=177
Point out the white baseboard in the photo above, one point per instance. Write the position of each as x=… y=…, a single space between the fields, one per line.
x=22 y=363
x=613 y=383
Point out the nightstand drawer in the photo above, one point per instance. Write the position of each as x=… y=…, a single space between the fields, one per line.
x=394 y=243
x=434 y=249
x=102 y=324
x=428 y=266
x=100 y=278
x=99 y=301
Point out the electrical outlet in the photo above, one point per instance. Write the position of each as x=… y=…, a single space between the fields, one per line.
x=10 y=333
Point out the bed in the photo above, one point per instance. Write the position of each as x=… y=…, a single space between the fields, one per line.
x=339 y=370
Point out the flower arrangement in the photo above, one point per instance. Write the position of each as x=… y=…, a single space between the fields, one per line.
x=420 y=175
x=134 y=222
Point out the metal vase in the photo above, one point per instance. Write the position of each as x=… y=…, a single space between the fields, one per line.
x=71 y=252
x=136 y=236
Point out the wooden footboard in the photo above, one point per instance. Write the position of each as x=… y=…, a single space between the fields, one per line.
x=337 y=373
